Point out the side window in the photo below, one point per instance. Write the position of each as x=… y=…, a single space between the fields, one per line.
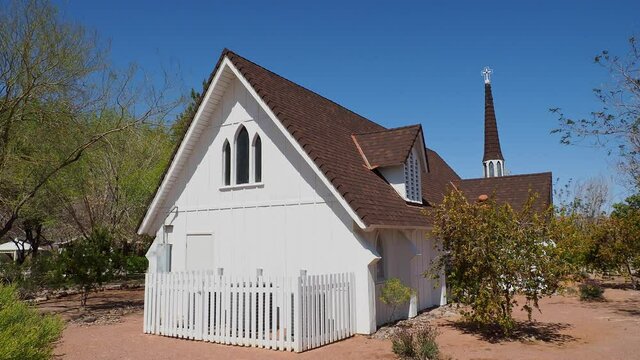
x=491 y=169
x=242 y=157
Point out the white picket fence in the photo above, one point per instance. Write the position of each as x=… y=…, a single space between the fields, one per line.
x=282 y=313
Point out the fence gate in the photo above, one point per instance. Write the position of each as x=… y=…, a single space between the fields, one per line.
x=280 y=313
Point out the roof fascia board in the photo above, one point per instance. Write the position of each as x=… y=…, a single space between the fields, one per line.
x=153 y=207
x=422 y=150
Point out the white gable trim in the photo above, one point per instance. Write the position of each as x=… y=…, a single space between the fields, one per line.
x=422 y=152
x=221 y=78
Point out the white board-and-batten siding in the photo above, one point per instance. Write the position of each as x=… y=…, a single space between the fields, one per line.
x=289 y=222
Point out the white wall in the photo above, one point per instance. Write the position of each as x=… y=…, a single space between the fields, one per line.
x=408 y=255
x=289 y=223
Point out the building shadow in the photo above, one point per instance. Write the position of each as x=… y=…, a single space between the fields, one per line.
x=524 y=331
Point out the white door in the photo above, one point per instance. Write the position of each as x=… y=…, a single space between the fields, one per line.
x=199 y=252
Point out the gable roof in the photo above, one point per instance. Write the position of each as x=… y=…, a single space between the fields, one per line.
x=512 y=189
x=329 y=134
x=324 y=129
x=438 y=180
x=387 y=147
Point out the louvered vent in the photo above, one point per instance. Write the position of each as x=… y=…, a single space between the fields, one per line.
x=412 y=179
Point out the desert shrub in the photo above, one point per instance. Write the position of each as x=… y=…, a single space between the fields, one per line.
x=10 y=272
x=402 y=344
x=394 y=293
x=417 y=345
x=425 y=343
x=590 y=290
x=25 y=333
x=492 y=252
x=134 y=264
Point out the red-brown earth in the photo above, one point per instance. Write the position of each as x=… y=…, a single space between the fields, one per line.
x=111 y=328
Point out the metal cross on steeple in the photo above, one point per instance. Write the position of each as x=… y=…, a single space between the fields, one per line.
x=486 y=72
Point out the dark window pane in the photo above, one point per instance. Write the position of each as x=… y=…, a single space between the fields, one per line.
x=257 y=152
x=227 y=164
x=242 y=157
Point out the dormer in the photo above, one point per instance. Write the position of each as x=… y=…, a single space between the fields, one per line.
x=399 y=156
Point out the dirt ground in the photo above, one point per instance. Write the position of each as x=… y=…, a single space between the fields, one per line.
x=566 y=329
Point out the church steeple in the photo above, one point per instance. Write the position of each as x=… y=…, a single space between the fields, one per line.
x=493 y=161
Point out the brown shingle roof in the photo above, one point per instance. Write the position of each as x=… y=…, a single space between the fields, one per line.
x=325 y=130
x=436 y=182
x=513 y=189
x=387 y=147
x=492 y=150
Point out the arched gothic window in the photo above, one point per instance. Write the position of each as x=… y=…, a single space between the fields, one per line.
x=242 y=156
x=257 y=159
x=226 y=163
x=499 y=168
x=491 y=169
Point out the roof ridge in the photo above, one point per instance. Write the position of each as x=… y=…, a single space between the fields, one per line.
x=227 y=51
x=386 y=129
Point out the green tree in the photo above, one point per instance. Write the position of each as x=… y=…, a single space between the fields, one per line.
x=59 y=98
x=491 y=253
x=90 y=262
x=625 y=229
x=110 y=187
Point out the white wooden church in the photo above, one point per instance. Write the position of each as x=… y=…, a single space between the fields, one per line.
x=273 y=181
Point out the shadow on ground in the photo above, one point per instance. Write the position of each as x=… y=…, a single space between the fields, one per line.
x=523 y=332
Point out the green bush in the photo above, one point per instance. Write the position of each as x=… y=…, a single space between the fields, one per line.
x=590 y=290
x=394 y=294
x=24 y=333
x=402 y=344
x=419 y=345
x=10 y=272
x=134 y=264
x=90 y=262
x=425 y=342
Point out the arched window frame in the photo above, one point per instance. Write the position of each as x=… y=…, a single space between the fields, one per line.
x=500 y=171
x=227 y=162
x=236 y=159
x=256 y=162
x=492 y=171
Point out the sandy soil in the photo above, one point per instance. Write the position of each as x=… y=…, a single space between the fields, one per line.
x=103 y=307
x=566 y=329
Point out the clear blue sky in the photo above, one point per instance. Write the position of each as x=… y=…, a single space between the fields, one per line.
x=401 y=63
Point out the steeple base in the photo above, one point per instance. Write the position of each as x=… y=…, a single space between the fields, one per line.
x=493 y=168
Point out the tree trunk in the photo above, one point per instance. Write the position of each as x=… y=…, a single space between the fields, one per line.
x=84 y=296
x=634 y=283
